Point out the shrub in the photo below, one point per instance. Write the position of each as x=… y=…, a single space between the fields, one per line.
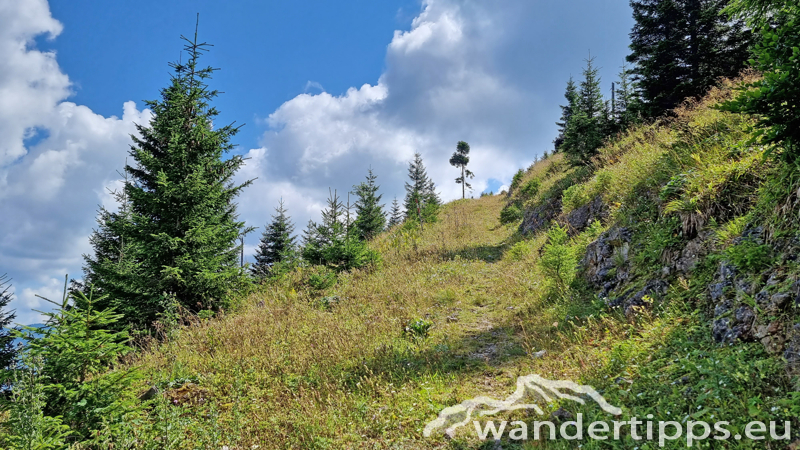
x=750 y=256
x=321 y=278
x=531 y=188
x=519 y=251
x=559 y=258
x=341 y=253
x=574 y=197
x=510 y=214
x=78 y=355
x=516 y=180
x=327 y=303
x=417 y=329
x=27 y=426
x=673 y=188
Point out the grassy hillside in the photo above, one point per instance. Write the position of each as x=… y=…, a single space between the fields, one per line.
x=466 y=306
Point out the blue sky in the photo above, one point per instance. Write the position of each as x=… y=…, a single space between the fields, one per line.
x=268 y=51
x=326 y=89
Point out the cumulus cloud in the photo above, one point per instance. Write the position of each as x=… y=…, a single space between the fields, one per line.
x=483 y=72
x=489 y=73
x=56 y=160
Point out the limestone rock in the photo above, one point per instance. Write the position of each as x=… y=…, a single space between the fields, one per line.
x=539 y=217
x=580 y=218
x=734 y=325
x=792 y=352
x=605 y=262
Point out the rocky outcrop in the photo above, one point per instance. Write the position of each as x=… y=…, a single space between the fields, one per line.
x=747 y=307
x=792 y=352
x=694 y=250
x=635 y=300
x=538 y=218
x=580 y=218
x=732 y=324
x=605 y=265
x=734 y=317
x=733 y=320
x=759 y=306
x=606 y=268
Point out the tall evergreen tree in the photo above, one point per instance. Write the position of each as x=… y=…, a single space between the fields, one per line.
x=460 y=159
x=112 y=273
x=7 y=351
x=370 y=217
x=421 y=197
x=775 y=98
x=276 y=240
x=183 y=226
x=310 y=235
x=330 y=243
x=681 y=47
x=332 y=229
x=627 y=105
x=395 y=215
x=588 y=123
x=571 y=95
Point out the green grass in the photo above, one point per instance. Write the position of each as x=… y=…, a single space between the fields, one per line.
x=462 y=308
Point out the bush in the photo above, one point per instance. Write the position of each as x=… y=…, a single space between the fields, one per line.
x=320 y=278
x=531 y=188
x=673 y=188
x=417 y=329
x=559 y=258
x=574 y=197
x=27 y=426
x=516 y=180
x=78 y=356
x=327 y=303
x=510 y=214
x=341 y=253
x=519 y=251
x=750 y=256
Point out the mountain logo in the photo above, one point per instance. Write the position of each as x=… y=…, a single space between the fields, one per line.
x=528 y=386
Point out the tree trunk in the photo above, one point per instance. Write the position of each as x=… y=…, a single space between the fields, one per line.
x=463 y=182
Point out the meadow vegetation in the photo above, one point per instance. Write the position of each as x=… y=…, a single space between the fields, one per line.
x=364 y=358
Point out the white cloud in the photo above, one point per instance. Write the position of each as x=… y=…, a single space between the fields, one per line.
x=440 y=86
x=49 y=191
x=489 y=73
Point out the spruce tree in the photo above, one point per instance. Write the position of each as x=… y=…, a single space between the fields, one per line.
x=626 y=110
x=460 y=159
x=430 y=195
x=113 y=272
x=309 y=239
x=331 y=243
x=775 y=98
x=7 y=350
x=276 y=240
x=571 y=94
x=588 y=123
x=318 y=236
x=395 y=215
x=80 y=366
x=681 y=47
x=422 y=201
x=370 y=217
x=184 y=227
